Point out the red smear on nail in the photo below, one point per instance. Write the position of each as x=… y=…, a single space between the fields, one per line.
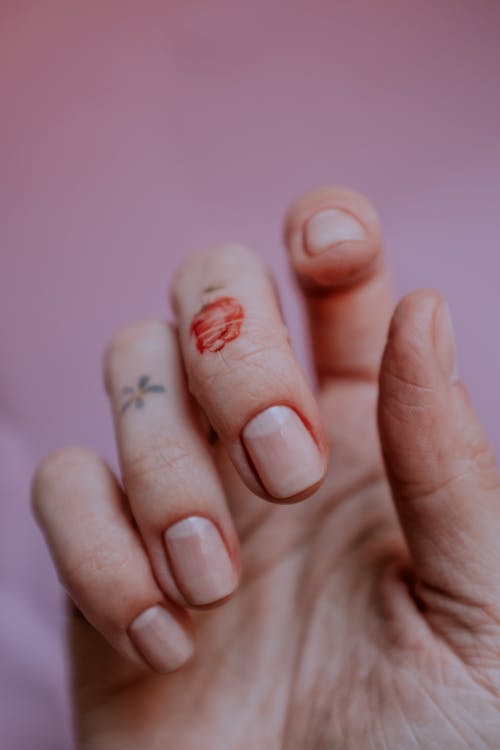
x=217 y=323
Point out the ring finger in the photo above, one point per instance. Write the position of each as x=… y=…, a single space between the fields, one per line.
x=167 y=469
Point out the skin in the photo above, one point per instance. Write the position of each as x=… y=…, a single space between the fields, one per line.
x=368 y=611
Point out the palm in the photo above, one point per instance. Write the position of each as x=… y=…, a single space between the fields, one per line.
x=326 y=646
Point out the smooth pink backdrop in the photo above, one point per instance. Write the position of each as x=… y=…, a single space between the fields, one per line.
x=132 y=133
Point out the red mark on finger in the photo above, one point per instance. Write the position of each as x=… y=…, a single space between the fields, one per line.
x=217 y=323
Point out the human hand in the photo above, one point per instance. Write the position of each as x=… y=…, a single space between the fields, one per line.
x=368 y=615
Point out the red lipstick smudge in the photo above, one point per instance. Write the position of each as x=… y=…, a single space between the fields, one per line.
x=217 y=323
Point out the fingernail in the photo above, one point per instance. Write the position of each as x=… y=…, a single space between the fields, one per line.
x=160 y=639
x=445 y=343
x=283 y=452
x=328 y=227
x=201 y=564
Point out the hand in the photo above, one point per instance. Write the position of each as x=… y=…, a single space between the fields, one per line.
x=368 y=615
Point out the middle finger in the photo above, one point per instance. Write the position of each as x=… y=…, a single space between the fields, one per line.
x=242 y=371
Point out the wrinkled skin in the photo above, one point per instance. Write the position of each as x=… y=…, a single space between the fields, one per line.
x=322 y=647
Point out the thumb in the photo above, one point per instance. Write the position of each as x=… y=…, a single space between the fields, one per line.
x=443 y=473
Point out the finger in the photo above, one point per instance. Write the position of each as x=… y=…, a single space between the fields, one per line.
x=442 y=469
x=334 y=240
x=102 y=564
x=243 y=373
x=168 y=472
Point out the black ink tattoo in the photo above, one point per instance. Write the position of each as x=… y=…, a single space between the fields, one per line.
x=136 y=395
x=213 y=288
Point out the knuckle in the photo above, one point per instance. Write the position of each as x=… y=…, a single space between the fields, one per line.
x=155 y=463
x=225 y=252
x=218 y=255
x=103 y=567
x=228 y=257
x=266 y=361
x=257 y=364
x=100 y=585
x=144 y=332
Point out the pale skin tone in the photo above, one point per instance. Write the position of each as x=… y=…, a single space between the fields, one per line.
x=331 y=584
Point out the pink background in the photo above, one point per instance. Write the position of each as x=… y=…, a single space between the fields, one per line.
x=134 y=132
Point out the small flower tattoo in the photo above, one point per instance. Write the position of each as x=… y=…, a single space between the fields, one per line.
x=136 y=395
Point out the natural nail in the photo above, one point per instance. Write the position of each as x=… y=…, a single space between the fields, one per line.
x=283 y=452
x=445 y=343
x=329 y=227
x=160 y=639
x=200 y=561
